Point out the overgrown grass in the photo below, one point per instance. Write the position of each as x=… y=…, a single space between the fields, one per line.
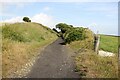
x=21 y=42
x=91 y=65
x=109 y=43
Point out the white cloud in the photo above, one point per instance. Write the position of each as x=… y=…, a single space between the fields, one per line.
x=42 y=18
x=4 y=7
x=13 y=20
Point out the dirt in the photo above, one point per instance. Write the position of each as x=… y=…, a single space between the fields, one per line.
x=55 y=61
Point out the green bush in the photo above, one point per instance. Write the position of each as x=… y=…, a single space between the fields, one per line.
x=64 y=27
x=26 y=19
x=70 y=33
x=75 y=34
x=7 y=32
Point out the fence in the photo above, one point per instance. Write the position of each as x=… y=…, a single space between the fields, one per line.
x=96 y=43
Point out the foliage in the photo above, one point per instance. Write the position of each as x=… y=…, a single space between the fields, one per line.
x=63 y=27
x=87 y=43
x=69 y=33
x=75 y=35
x=26 y=19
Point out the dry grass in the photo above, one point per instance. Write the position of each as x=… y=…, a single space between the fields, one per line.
x=91 y=65
x=15 y=53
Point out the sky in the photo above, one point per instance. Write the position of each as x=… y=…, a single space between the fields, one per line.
x=98 y=16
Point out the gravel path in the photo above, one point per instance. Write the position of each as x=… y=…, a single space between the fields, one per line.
x=55 y=61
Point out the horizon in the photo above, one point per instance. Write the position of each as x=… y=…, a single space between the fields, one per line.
x=102 y=17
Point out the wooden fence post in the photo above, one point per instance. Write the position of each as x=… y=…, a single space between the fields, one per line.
x=97 y=43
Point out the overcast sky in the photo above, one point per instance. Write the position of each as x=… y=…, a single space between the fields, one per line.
x=98 y=16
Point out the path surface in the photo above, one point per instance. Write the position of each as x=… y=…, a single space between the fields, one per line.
x=54 y=62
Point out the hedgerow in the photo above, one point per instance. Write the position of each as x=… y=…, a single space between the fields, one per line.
x=70 y=33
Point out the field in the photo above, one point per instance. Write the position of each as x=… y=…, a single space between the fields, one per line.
x=109 y=43
x=21 y=42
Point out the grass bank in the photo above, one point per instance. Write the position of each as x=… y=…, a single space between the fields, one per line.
x=21 y=42
x=91 y=65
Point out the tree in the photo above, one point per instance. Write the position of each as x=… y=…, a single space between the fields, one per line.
x=63 y=27
x=29 y=21
x=26 y=19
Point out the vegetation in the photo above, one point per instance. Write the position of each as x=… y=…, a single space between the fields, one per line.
x=87 y=43
x=55 y=30
x=26 y=19
x=109 y=43
x=21 y=42
x=90 y=65
x=69 y=33
x=75 y=35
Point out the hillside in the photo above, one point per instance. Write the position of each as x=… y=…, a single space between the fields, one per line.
x=21 y=42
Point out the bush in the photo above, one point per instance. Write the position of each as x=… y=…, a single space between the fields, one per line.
x=26 y=19
x=63 y=27
x=69 y=33
x=75 y=34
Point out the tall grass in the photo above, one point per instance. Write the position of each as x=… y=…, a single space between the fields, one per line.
x=91 y=65
x=21 y=42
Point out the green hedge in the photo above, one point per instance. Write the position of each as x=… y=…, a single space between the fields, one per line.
x=75 y=35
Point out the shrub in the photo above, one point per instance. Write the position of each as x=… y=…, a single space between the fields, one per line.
x=26 y=19
x=63 y=27
x=75 y=34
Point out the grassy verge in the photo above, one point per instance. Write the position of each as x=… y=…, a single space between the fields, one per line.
x=109 y=43
x=90 y=65
x=21 y=42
